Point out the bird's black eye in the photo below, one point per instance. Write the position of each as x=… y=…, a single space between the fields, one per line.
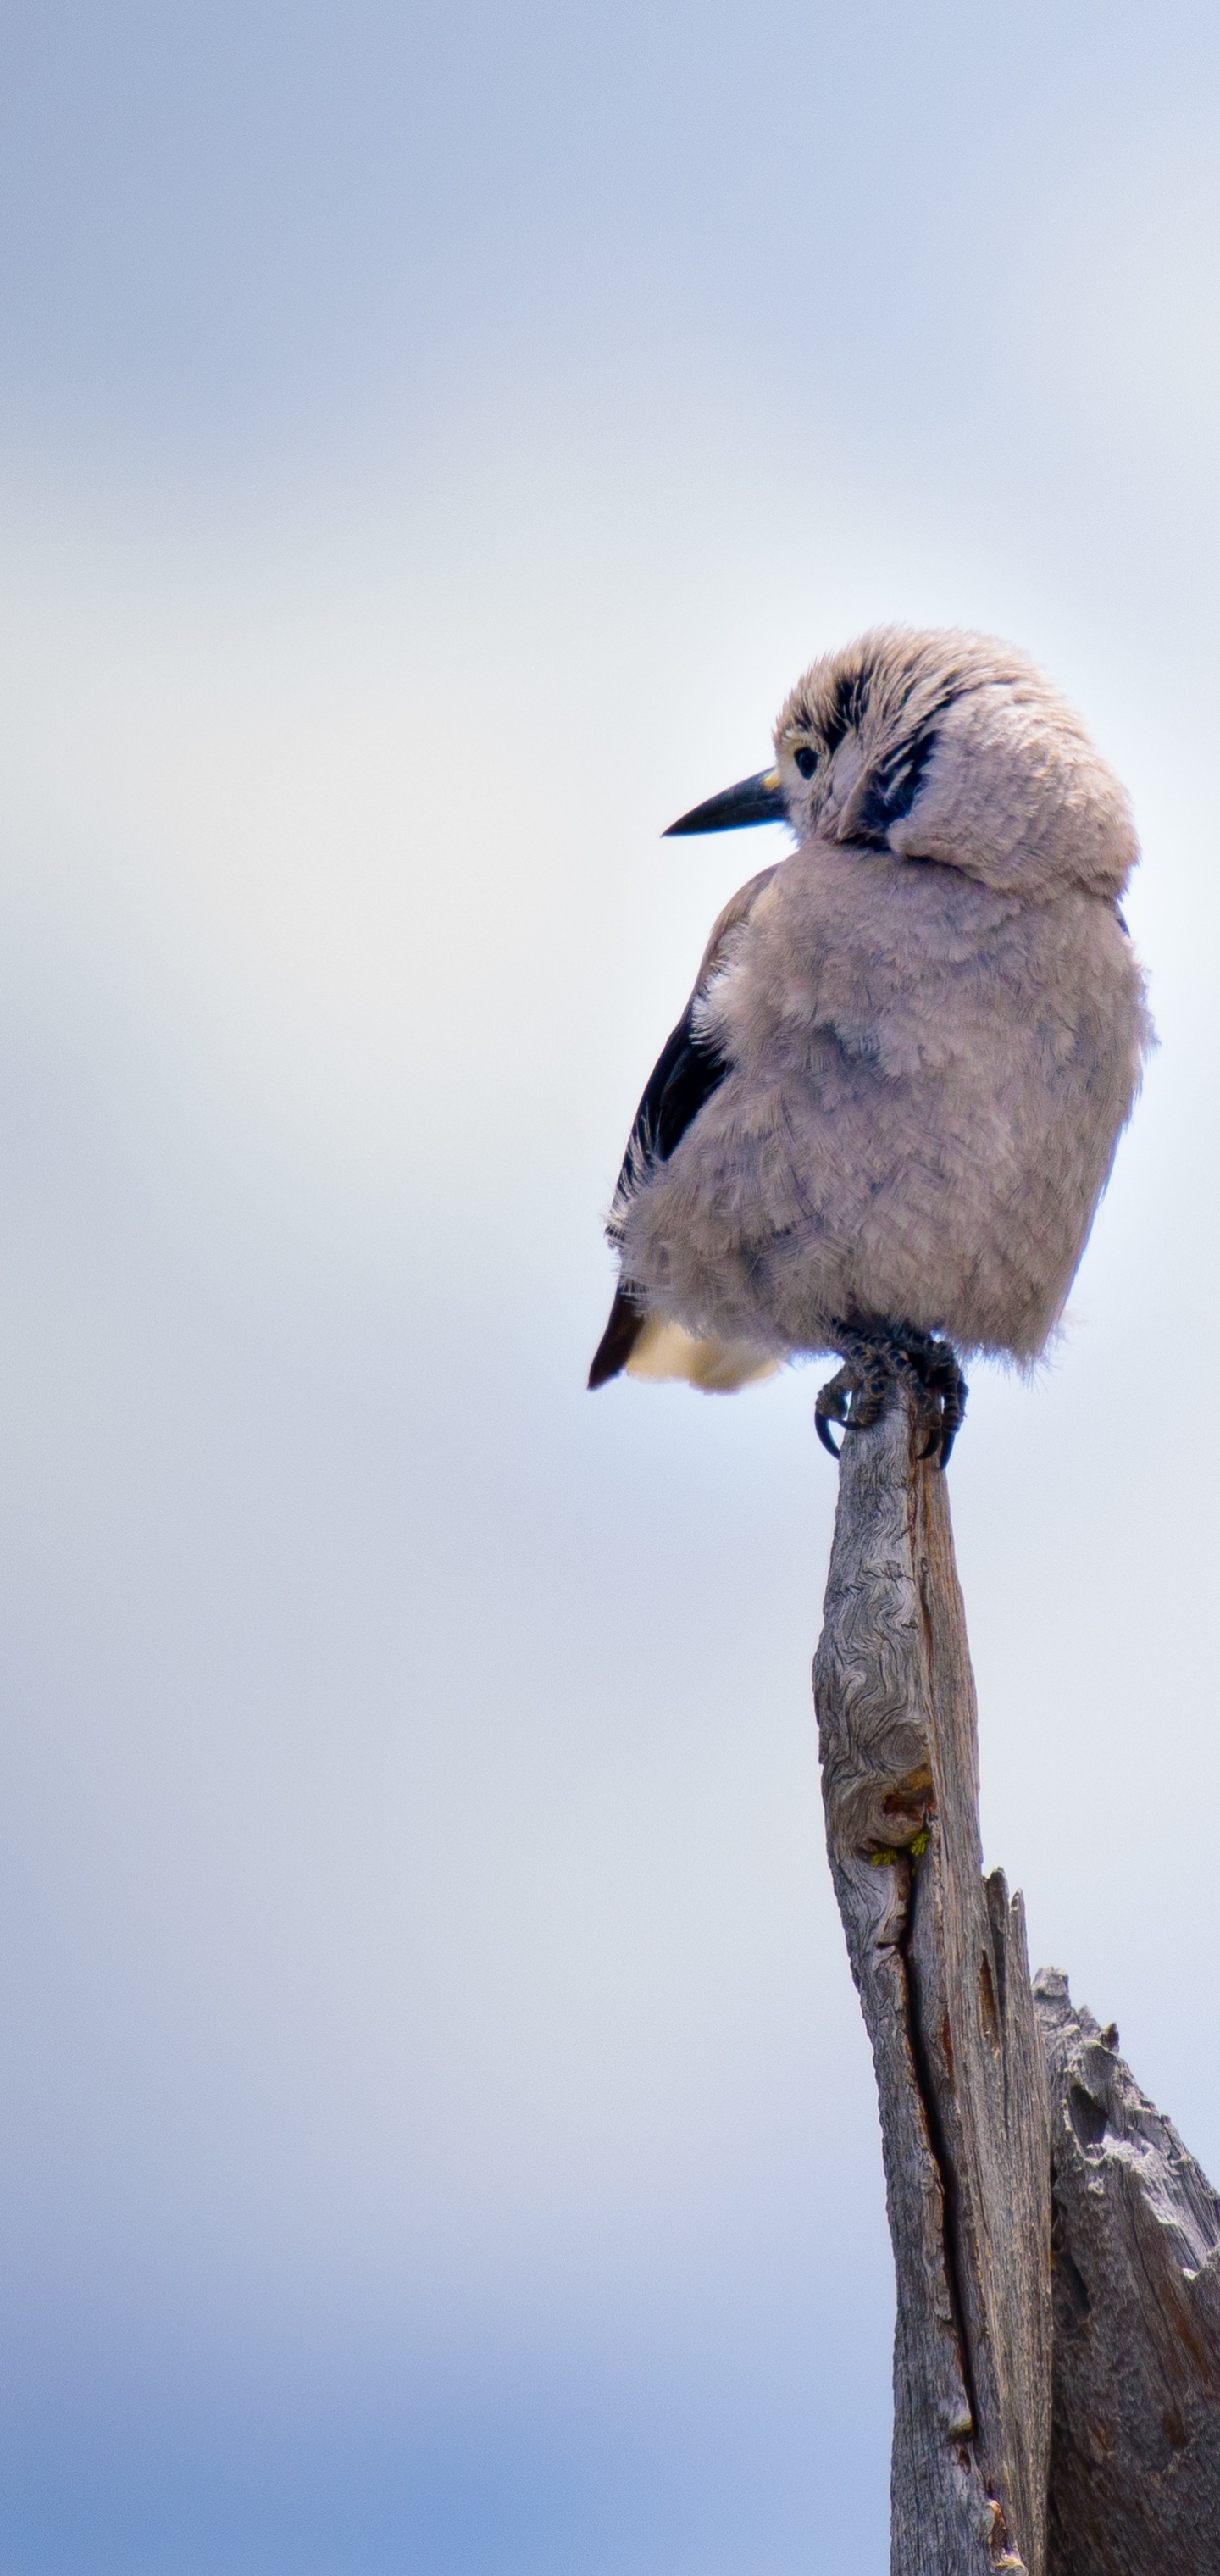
x=806 y=759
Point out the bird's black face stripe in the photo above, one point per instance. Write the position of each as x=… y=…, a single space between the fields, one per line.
x=894 y=787
x=850 y=700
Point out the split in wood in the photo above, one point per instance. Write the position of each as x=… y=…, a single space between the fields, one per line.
x=962 y=2059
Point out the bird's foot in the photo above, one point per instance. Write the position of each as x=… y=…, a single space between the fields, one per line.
x=943 y=1388
x=856 y=1395
x=877 y=1360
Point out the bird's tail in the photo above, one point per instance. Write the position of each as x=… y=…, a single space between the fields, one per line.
x=652 y=1346
x=627 y=1321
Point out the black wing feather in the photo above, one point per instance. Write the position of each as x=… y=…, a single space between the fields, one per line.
x=618 y=1341
x=688 y=1070
x=690 y=1067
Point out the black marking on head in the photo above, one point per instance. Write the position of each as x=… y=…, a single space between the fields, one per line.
x=894 y=786
x=688 y=1070
x=850 y=701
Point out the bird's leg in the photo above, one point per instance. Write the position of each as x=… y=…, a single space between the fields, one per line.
x=934 y=1365
x=831 y=1405
x=953 y=1391
x=856 y=1395
x=873 y=1362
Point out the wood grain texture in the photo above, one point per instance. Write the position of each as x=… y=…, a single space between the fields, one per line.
x=939 y=1960
x=1135 y=2457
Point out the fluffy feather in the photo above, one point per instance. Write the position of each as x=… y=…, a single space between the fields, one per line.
x=928 y=1024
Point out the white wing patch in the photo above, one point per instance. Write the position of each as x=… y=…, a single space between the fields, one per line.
x=666 y=1351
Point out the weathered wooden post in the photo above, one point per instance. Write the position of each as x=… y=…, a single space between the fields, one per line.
x=938 y=1955
x=1135 y=2446
x=1057 y=2251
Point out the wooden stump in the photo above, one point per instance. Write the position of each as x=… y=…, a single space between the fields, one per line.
x=939 y=1959
x=1135 y=2453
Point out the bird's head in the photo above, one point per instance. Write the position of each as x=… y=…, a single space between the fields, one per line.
x=946 y=748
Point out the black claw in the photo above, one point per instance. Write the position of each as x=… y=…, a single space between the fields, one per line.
x=945 y=1380
x=944 y=1386
x=873 y=1359
x=836 y=1402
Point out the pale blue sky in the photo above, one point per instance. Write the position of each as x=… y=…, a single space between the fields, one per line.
x=438 y=2136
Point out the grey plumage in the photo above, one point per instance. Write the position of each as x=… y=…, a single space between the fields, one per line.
x=911 y=1047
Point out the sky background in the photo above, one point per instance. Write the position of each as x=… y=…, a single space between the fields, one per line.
x=438 y=2136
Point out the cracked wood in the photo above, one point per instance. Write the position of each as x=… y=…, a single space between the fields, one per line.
x=939 y=1959
x=1135 y=2452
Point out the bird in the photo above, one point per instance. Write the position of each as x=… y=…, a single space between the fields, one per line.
x=884 y=1121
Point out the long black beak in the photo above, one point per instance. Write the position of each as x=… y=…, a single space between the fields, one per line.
x=754 y=800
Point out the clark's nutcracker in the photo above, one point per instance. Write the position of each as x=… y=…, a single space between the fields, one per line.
x=884 y=1121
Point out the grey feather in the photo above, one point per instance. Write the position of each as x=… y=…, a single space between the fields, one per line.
x=932 y=1021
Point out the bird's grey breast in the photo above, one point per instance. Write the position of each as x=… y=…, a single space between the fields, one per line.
x=855 y=956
